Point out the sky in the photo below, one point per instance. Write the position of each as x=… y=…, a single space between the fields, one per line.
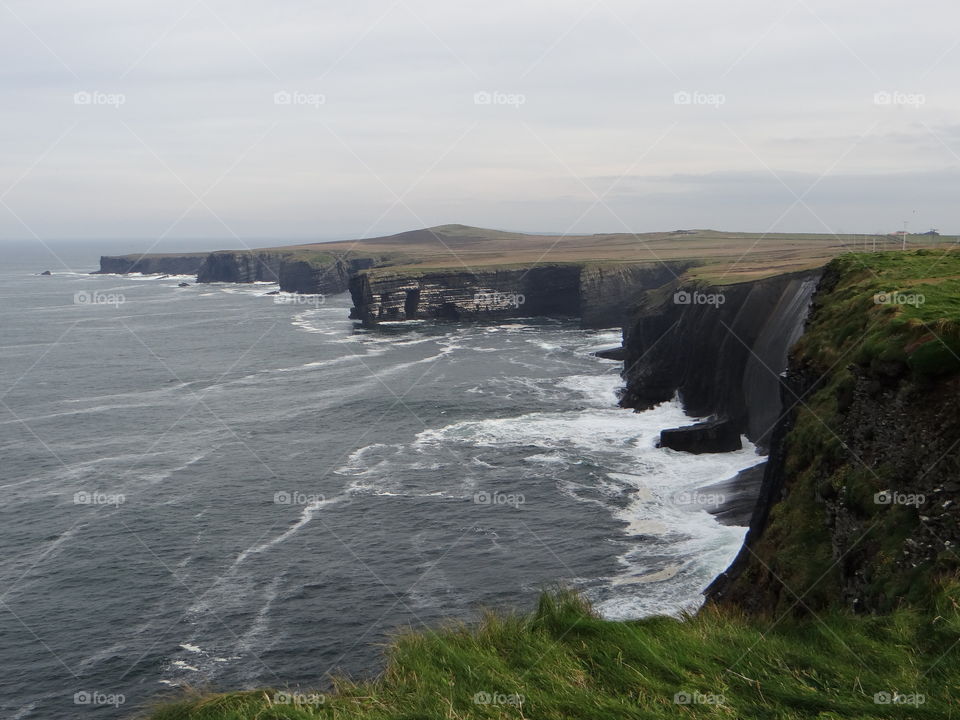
x=297 y=120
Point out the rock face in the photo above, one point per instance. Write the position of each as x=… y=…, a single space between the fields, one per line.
x=294 y=274
x=608 y=291
x=150 y=264
x=720 y=348
x=713 y=436
x=597 y=294
x=860 y=500
x=464 y=295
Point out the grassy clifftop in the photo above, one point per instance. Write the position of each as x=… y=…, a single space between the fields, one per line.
x=564 y=662
x=869 y=500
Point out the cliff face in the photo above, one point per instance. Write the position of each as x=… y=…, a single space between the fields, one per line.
x=150 y=264
x=327 y=276
x=860 y=502
x=597 y=294
x=608 y=291
x=464 y=295
x=721 y=348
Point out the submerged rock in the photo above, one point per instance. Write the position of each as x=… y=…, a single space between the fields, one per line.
x=712 y=436
x=617 y=353
x=46 y=272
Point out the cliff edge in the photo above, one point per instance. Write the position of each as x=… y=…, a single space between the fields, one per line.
x=860 y=502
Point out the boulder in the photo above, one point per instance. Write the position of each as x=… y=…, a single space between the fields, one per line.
x=616 y=353
x=713 y=436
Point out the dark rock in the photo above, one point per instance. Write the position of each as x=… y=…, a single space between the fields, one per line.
x=150 y=264
x=183 y=284
x=273 y=292
x=738 y=496
x=713 y=436
x=720 y=349
x=617 y=353
x=46 y=272
x=599 y=295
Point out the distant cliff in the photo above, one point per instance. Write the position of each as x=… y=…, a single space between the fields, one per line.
x=597 y=294
x=302 y=273
x=720 y=347
x=860 y=502
x=188 y=264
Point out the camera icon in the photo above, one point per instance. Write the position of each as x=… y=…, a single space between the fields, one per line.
x=882 y=298
x=882 y=98
x=681 y=297
x=82 y=498
x=82 y=698
x=282 y=498
x=282 y=98
x=682 y=98
x=482 y=498
x=482 y=98
x=82 y=298
x=682 y=698
x=82 y=98
x=882 y=698
x=883 y=498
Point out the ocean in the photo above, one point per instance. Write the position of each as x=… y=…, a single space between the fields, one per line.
x=216 y=487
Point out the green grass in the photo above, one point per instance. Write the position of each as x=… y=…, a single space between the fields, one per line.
x=562 y=661
x=854 y=330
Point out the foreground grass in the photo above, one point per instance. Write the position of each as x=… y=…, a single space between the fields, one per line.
x=564 y=662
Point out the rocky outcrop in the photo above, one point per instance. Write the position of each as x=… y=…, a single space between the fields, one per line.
x=599 y=295
x=151 y=264
x=552 y=290
x=712 y=436
x=720 y=348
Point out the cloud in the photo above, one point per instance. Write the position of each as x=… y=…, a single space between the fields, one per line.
x=383 y=131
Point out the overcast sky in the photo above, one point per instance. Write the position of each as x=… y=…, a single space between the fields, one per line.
x=294 y=119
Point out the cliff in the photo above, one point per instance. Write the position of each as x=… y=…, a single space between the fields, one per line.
x=295 y=272
x=860 y=502
x=719 y=347
x=597 y=294
x=157 y=264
